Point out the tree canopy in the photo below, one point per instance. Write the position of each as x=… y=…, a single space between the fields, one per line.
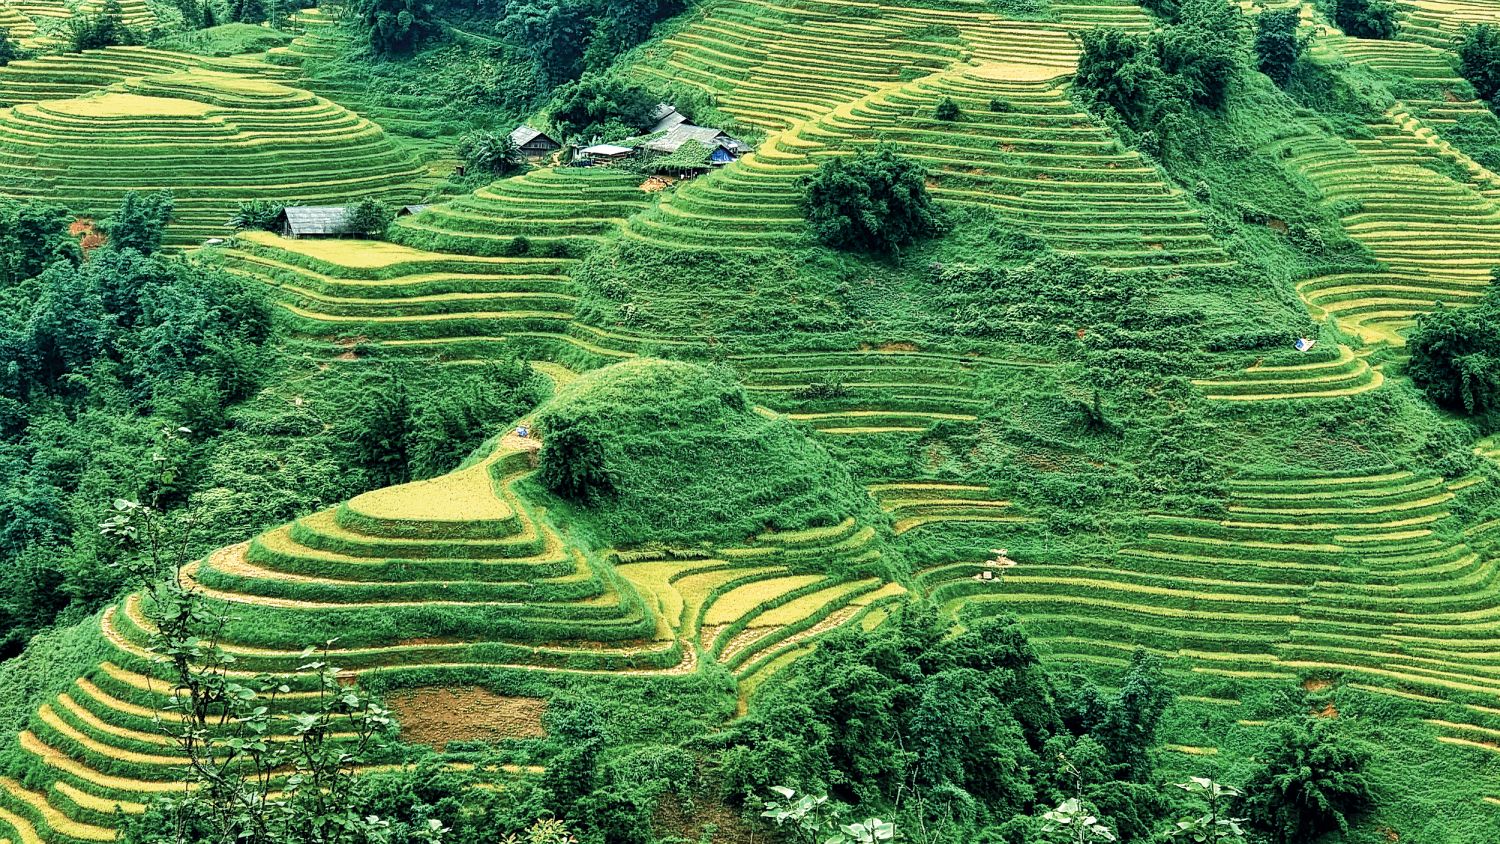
x=1455 y=356
x=1479 y=59
x=608 y=105
x=876 y=203
x=1277 y=43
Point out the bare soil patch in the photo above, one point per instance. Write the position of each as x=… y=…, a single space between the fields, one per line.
x=437 y=715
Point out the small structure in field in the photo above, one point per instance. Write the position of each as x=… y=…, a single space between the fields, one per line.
x=410 y=210
x=533 y=143
x=314 y=221
x=606 y=153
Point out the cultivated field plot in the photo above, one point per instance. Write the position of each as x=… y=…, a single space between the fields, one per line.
x=1369 y=577
x=491 y=584
x=1437 y=236
x=1329 y=372
x=67 y=75
x=213 y=139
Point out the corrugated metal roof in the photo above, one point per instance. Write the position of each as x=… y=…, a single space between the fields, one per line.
x=665 y=118
x=316 y=219
x=706 y=135
x=524 y=135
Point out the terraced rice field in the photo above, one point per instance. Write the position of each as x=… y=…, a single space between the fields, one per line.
x=913 y=504
x=15 y=24
x=874 y=390
x=489 y=579
x=311 y=57
x=1437 y=236
x=1326 y=372
x=67 y=75
x=1440 y=22
x=41 y=24
x=1365 y=576
x=808 y=74
x=213 y=139
x=560 y=212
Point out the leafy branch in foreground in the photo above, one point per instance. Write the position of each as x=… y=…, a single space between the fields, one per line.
x=255 y=770
x=813 y=819
x=1211 y=827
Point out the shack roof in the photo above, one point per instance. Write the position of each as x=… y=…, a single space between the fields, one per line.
x=315 y=219
x=706 y=135
x=665 y=117
x=523 y=135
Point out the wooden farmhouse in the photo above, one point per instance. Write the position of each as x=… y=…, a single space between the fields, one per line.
x=533 y=143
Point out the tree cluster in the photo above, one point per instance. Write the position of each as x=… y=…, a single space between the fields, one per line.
x=1479 y=59
x=489 y=153
x=1366 y=18
x=9 y=50
x=1455 y=356
x=874 y=203
x=105 y=29
x=568 y=38
x=92 y=348
x=1150 y=80
x=395 y=437
x=607 y=105
x=1278 y=44
x=395 y=27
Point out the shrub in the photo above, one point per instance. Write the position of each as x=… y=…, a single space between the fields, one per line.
x=1478 y=59
x=489 y=152
x=572 y=462
x=1312 y=782
x=947 y=109
x=106 y=29
x=1277 y=45
x=368 y=218
x=257 y=214
x=1455 y=357
x=999 y=106
x=874 y=202
x=1366 y=18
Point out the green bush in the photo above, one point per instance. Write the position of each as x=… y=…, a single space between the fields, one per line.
x=1312 y=782
x=654 y=450
x=875 y=203
x=1366 y=18
x=368 y=218
x=1455 y=357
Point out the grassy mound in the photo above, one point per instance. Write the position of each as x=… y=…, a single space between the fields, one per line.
x=663 y=451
